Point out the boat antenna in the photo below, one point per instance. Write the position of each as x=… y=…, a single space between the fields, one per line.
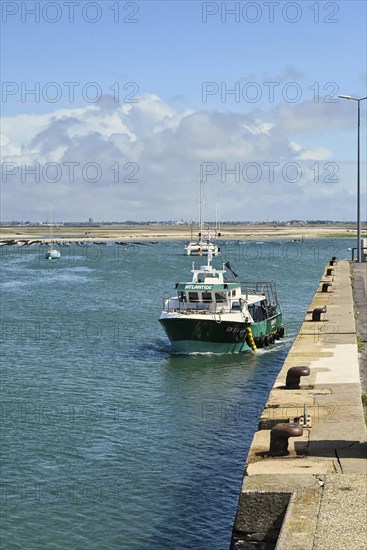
x=227 y=264
x=210 y=254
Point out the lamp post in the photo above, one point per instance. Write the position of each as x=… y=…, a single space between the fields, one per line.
x=358 y=174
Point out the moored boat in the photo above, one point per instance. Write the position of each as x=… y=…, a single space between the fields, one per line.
x=203 y=245
x=213 y=313
x=53 y=254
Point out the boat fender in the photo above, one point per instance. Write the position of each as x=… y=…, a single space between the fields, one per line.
x=250 y=339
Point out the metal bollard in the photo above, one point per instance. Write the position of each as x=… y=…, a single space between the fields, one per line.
x=316 y=314
x=279 y=436
x=325 y=286
x=329 y=272
x=294 y=374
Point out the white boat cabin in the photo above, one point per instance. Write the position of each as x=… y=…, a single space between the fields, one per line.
x=210 y=292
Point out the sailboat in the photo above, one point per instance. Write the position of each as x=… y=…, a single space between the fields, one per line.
x=201 y=246
x=52 y=253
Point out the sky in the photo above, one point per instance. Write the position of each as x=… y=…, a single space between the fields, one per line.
x=115 y=110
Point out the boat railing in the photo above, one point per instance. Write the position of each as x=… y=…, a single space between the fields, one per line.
x=264 y=288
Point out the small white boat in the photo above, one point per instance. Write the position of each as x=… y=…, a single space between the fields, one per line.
x=53 y=253
x=202 y=245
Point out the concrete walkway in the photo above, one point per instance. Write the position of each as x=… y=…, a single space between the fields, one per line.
x=360 y=305
x=315 y=497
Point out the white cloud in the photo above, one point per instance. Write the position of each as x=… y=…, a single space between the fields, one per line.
x=314 y=116
x=143 y=160
x=315 y=153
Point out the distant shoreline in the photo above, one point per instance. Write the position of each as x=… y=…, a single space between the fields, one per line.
x=169 y=233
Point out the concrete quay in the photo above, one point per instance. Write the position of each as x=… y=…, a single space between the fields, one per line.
x=309 y=491
x=359 y=271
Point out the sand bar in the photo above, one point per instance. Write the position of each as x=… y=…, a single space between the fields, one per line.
x=159 y=232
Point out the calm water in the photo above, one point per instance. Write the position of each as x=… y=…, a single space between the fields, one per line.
x=108 y=440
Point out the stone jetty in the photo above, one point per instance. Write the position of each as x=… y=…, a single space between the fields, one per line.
x=305 y=478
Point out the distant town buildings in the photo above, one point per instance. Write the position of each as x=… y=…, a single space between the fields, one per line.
x=92 y=223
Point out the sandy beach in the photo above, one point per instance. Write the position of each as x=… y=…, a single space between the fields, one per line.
x=158 y=232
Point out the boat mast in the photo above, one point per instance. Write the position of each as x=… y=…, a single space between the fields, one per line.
x=51 y=223
x=201 y=207
x=217 y=219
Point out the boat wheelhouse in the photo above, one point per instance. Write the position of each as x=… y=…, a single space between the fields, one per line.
x=214 y=314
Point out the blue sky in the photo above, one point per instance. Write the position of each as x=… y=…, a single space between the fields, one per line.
x=164 y=90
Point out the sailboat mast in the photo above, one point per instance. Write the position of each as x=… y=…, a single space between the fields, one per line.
x=51 y=222
x=217 y=219
x=201 y=208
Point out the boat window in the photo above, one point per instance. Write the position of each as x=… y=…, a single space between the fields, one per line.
x=207 y=296
x=193 y=297
x=220 y=297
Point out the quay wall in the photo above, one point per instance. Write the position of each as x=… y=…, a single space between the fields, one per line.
x=309 y=492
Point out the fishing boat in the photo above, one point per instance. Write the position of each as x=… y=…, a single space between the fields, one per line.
x=215 y=312
x=53 y=253
x=203 y=244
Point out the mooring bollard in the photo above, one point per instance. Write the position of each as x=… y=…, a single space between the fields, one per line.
x=329 y=272
x=279 y=436
x=294 y=374
x=325 y=287
x=316 y=314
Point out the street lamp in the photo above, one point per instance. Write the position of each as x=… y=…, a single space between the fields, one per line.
x=358 y=175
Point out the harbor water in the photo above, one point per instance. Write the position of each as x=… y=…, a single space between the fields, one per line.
x=108 y=440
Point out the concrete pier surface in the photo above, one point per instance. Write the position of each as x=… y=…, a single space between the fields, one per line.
x=305 y=482
x=359 y=271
